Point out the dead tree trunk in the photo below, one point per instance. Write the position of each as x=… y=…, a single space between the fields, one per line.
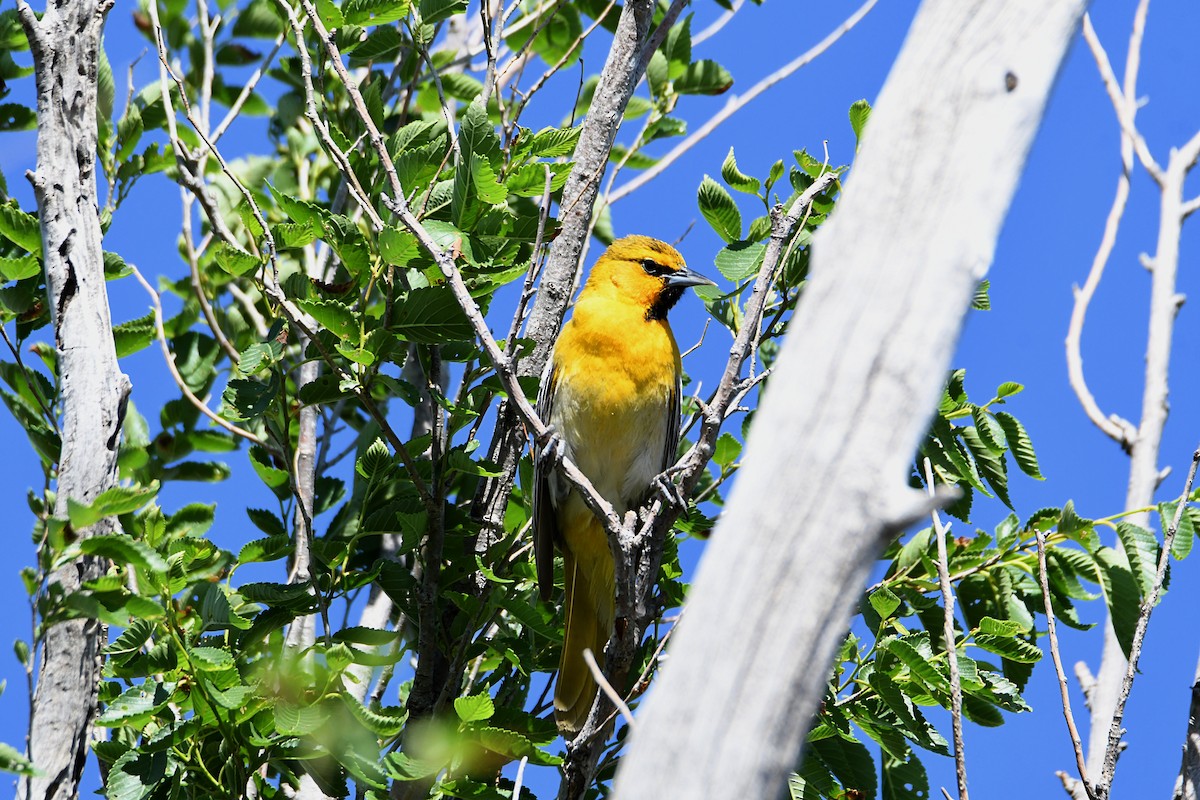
x=823 y=487
x=65 y=43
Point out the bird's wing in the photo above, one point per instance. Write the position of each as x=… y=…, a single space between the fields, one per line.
x=674 y=412
x=545 y=523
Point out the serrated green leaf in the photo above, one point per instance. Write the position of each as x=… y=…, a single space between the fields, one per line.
x=704 y=77
x=1141 y=548
x=20 y=228
x=299 y=720
x=1020 y=444
x=726 y=450
x=210 y=659
x=474 y=708
x=1120 y=594
x=851 y=762
x=374 y=12
x=740 y=260
x=884 y=601
x=268 y=548
x=123 y=550
x=554 y=142
x=1011 y=648
x=431 y=315
x=736 y=178
x=19 y=268
x=234 y=261
x=860 y=112
x=1008 y=389
x=903 y=779
x=1185 y=535
x=719 y=210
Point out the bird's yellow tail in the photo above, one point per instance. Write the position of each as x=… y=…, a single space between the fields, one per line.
x=589 y=607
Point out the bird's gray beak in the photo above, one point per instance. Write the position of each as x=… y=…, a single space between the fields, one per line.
x=685 y=277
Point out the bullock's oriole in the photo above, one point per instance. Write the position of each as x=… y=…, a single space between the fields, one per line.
x=611 y=393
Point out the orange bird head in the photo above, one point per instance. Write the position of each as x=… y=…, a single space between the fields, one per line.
x=644 y=271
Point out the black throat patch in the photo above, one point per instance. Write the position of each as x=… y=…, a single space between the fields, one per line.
x=667 y=299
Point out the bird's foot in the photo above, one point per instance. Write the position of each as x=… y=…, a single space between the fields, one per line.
x=553 y=448
x=669 y=491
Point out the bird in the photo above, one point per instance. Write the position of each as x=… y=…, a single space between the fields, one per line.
x=610 y=394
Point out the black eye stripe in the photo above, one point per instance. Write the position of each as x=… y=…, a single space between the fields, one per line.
x=652 y=267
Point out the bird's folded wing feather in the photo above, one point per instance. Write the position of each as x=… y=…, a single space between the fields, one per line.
x=545 y=525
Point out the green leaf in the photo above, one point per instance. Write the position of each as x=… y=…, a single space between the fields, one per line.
x=884 y=601
x=1000 y=627
x=436 y=10
x=245 y=399
x=234 y=261
x=134 y=335
x=129 y=132
x=554 y=142
x=991 y=465
x=904 y=779
x=474 y=708
x=1120 y=594
x=1019 y=444
x=476 y=133
x=123 y=550
x=20 y=228
x=383 y=722
x=431 y=315
x=740 y=260
x=1013 y=649
x=981 y=301
x=299 y=720
x=718 y=208
x=1008 y=389
x=704 y=77
x=735 y=178
x=20 y=267
x=726 y=450
x=375 y=12
x=140 y=700
x=850 y=762
x=12 y=761
x=109 y=503
x=487 y=189
x=860 y=112
x=677 y=48
x=1186 y=533
x=989 y=431
x=269 y=548
x=918 y=663
x=1141 y=548
x=334 y=316
x=259 y=19
x=210 y=659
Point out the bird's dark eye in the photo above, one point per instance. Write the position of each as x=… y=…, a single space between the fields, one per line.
x=652 y=267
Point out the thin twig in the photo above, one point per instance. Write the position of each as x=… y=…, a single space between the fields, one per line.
x=717 y=24
x=941 y=532
x=1056 y=655
x=244 y=94
x=735 y=104
x=607 y=687
x=1123 y=109
x=183 y=387
x=516 y=793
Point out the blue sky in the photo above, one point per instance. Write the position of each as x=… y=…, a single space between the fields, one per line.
x=1046 y=247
